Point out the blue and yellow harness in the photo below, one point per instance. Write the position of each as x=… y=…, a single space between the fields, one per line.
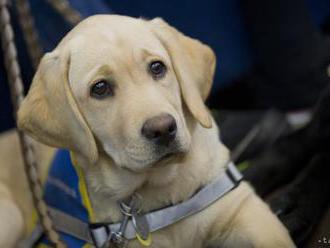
x=66 y=191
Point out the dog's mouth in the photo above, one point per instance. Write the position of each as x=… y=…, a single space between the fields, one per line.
x=175 y=154
x=139 y=160
x=163 y=160
x=168 y=158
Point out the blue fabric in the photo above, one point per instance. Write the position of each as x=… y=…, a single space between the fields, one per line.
x=52 y=27
x=62 y=193
x=319 y=9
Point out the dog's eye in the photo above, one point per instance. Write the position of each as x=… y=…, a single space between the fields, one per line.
x=157 y=69
x=101 y=89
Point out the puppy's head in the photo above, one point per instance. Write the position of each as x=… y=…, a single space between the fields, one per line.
x=121 y=86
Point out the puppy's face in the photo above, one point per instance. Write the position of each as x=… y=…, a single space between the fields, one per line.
x=124 y=83
x=119 y=85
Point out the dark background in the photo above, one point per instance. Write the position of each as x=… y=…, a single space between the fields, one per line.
x=219 y=23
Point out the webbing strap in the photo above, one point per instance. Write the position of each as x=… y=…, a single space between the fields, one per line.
x=157 y=219
x=70 y=225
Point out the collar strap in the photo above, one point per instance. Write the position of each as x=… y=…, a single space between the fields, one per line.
x=99 y=234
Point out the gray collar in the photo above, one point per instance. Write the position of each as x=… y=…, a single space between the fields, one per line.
x=136 y=225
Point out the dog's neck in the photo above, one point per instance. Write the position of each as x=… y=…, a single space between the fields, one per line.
x=160 y=186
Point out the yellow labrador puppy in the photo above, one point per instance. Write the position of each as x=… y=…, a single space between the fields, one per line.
x=126 y=97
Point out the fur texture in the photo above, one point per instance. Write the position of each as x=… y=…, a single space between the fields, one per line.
x=105 y=134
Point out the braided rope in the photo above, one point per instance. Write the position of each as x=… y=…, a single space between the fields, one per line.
x=63 y=7
x=16 y=90
x=29 y=32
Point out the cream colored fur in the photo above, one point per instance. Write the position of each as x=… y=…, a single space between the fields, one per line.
x=105 y=135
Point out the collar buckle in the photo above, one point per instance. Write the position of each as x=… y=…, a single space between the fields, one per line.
x=103 y=237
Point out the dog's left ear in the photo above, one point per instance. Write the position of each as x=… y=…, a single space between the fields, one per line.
x=50 y=114
x=194 y=65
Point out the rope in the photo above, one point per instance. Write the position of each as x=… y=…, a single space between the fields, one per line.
x=29 y=32
x=16 y=90
x=27 y=24
x=63 y=8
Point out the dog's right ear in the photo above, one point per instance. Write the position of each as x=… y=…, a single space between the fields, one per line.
x=50 y=114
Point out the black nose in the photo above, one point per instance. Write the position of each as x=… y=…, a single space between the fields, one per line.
x=160 y=129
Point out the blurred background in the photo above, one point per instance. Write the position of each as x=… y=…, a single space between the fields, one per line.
x=245 y=35
x=272 y=67
x=261 y=46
